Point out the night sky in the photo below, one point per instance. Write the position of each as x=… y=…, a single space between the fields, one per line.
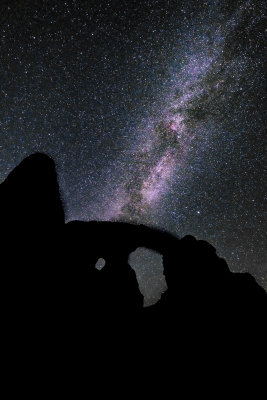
x=152 y=110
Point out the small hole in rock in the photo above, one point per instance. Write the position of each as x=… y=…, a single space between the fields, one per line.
x=100 y=264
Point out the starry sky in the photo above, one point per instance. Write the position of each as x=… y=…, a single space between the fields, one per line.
x=152 y=110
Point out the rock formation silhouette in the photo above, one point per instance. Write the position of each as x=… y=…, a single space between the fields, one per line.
x=32 y=222
x=53 y=295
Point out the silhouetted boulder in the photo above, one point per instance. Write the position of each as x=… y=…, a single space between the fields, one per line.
x=204 y=300
x=31 y=229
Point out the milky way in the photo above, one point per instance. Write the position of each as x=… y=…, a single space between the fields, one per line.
x=152 y=110
x=161 y=154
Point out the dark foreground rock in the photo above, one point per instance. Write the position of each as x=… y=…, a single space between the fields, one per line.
x=56 y=306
